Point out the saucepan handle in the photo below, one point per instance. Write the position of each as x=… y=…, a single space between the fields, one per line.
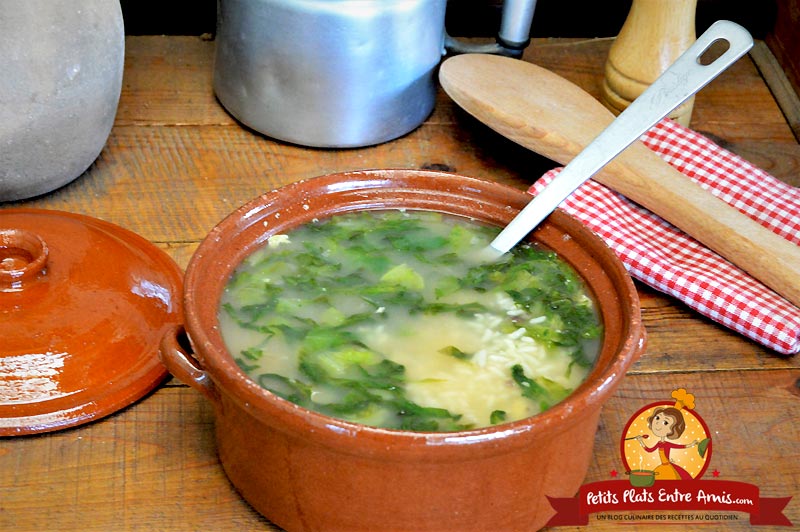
x=513 y=36
x=175 y=353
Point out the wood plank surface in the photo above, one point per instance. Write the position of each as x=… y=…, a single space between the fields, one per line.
x=176 y=163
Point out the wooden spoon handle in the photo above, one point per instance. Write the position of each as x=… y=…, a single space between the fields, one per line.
x=552 y=116
x=646 y=179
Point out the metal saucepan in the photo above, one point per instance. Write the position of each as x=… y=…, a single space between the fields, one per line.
x=340 y=73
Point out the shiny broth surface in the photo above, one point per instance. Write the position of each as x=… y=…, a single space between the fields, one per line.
x=391 y=319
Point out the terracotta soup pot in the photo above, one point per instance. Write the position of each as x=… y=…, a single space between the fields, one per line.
x=307 y=471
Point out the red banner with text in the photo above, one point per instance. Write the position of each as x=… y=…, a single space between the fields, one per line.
x=695 y=495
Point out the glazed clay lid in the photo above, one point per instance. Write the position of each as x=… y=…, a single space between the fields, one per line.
x=83 y=305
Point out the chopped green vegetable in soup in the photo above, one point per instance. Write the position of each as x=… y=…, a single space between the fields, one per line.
x=391 y=319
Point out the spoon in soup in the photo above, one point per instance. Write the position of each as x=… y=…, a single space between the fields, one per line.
x=552 y=116
x=693 y=70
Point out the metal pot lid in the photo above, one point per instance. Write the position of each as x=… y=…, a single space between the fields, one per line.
x=83 y=304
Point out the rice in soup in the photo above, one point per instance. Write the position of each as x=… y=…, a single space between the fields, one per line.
x=393 y=319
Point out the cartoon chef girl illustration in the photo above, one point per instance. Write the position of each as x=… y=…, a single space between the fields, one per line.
x=667 y=423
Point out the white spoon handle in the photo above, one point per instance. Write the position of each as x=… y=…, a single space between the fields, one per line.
x=681 y=80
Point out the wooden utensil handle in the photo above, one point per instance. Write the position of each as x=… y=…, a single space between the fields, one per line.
x=642 y=176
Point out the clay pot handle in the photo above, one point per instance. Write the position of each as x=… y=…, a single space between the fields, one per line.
x=176 y=355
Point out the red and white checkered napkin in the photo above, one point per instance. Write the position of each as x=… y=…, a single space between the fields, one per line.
x=662 y=256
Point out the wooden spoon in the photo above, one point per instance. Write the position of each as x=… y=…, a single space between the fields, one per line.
x=550 y=115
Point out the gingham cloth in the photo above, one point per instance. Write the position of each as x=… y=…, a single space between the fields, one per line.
x=660 y=255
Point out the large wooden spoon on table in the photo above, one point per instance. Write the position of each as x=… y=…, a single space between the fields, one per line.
x=550 y=115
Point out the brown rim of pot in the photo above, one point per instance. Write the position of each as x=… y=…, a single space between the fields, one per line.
x=247 y=229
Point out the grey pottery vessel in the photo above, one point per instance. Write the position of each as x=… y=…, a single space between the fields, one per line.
x=61 y=64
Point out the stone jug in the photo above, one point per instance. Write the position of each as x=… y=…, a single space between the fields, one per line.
x=61 y=64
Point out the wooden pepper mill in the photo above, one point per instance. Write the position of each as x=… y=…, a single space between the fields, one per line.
x=654 y=34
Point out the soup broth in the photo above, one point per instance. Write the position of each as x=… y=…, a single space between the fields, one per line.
x=392 y=319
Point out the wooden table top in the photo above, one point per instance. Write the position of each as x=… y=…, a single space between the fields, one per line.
x=176 y=163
